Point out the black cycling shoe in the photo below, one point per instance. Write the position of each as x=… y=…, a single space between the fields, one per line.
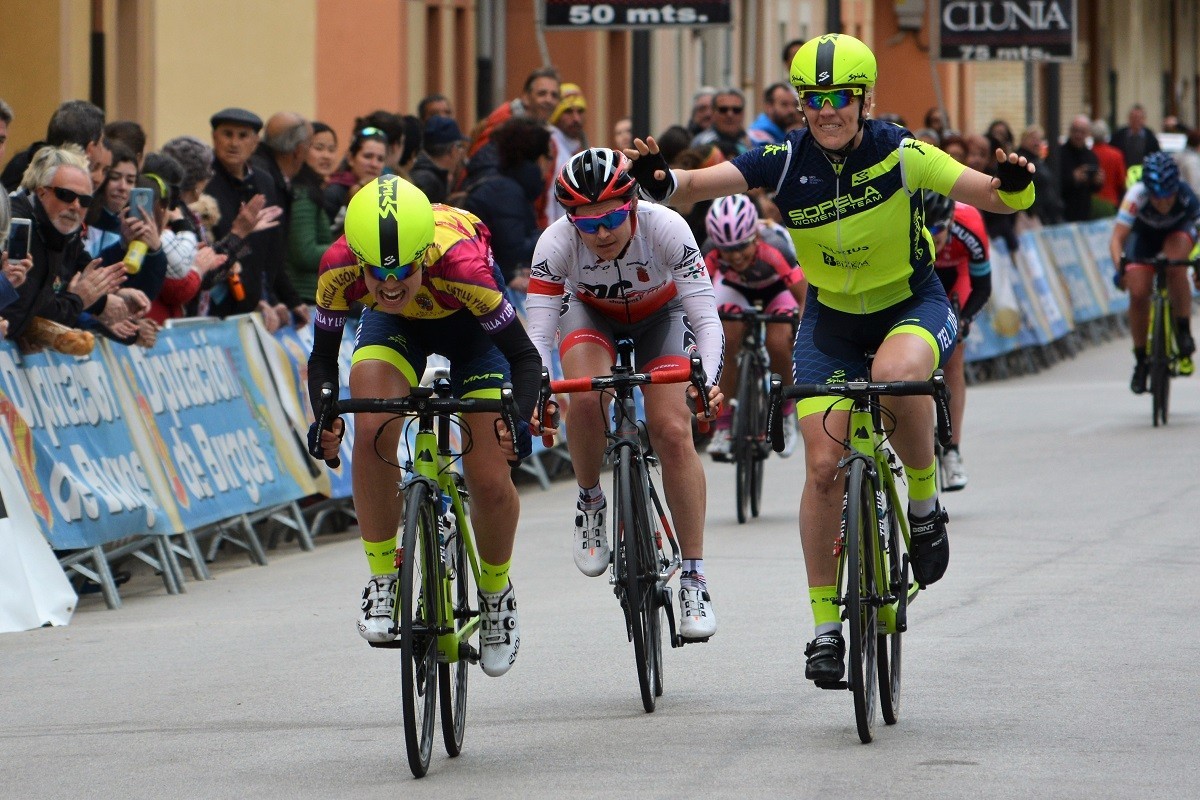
x=1185 y=342
x=1141 y=371
x=930 y=546
x=826 y=658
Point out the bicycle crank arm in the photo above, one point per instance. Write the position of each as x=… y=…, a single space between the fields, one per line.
x=467 y=653
x=832 y=684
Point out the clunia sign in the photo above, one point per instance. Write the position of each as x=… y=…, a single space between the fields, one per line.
x=1006 y=30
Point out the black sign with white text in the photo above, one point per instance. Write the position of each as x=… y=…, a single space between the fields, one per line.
x=636 y=14
x=1006 y=30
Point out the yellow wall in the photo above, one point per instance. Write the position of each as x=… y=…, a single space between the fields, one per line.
x=256 y=54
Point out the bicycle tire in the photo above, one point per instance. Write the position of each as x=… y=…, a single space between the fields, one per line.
x=419 y=588
x=640 y=605
x=741 y=444
x=888 y=646
x=860 y=608
x=452 y=677
x=758 y=429
x=1160 y=380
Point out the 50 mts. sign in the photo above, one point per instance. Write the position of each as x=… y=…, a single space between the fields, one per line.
x=635 y=14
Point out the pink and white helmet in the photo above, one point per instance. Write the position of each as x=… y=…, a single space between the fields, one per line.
x=731 y=221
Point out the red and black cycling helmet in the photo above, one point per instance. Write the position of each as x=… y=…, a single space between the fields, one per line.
x=593 y=176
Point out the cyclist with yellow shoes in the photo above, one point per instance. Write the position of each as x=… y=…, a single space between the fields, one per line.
x=1158 y=214
x=430 y=285
x=849 y=189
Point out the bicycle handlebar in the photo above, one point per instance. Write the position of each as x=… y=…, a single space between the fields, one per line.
x=693 y=374
x=1160 y=261
x=857 y=390
x=754 y=315
x=421 y=401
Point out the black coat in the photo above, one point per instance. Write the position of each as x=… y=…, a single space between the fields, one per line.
x=54 y=255
x=504 y=200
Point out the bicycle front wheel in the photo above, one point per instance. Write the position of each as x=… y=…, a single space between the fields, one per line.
x=894 y=621
x=418 y=601
x=1160 y=371
x=639 y=577
x=858 y=564
x=452 y=677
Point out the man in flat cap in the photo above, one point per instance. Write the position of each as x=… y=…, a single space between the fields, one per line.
x=239 y=188
x=443 y=150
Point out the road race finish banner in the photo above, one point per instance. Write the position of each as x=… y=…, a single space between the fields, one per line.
x=636 y=14
x=1006 y=30
x=211 y=428
x=63 y=421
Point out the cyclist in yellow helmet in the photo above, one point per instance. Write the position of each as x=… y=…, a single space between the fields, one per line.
x=850 y=191
x=430 y=285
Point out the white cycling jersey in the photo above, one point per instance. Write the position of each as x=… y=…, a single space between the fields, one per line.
x=661 y=262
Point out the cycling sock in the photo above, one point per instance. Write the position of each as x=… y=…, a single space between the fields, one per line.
x=592 y=498
x=1139 y=355
x=493 y=578
x=953 y=447
x=1183 y=325
x=827 y=614
x=694 y=565
x=922 y=490
x=381 y=556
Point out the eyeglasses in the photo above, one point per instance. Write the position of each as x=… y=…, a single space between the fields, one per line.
x=837 y=98
x=934 y=230
x=737 y=248
x=729 y=109
x=365 y=132
x=399 y=273
x=68 y=196
x=611 y=220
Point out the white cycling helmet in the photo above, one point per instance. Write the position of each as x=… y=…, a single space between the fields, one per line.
x=731 y=221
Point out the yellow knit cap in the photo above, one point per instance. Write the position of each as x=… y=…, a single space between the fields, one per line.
x=572 y=97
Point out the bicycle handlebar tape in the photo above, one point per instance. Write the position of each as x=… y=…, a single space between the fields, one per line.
x=571 y=385
x=649 y=187
x=671 y=375
x=1016 y=185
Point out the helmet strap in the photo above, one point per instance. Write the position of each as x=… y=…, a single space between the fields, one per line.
x=843 y=152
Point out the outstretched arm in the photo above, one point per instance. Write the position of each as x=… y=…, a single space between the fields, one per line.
x=690 y=186
x=1010 y=190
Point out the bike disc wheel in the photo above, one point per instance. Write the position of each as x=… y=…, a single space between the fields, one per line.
x=861 y=611
x=452 y=677
x=640 y=596
x=417 y=603
x=888 y=646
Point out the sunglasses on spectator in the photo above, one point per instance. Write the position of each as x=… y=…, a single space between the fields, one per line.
x=399 y=273
x=68 y=196
x=729 y=109
x=365 y=132
x=611 y=220
x=837 y=98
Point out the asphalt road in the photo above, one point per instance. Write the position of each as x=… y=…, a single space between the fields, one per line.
x=1057 y=659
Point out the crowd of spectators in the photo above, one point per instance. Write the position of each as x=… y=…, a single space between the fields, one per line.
x=239 y=223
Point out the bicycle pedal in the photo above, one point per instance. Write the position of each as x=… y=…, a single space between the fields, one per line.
x=468 y=653
x=682 y=640
x=392 y=645
x=832 y=684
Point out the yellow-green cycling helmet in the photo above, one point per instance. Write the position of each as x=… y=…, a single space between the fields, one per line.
x=389 y=226
x=834 y=59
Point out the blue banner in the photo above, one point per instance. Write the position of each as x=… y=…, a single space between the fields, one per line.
x=1051 y=315
x=64 y=423
x=1068 y=261
x=208 y=421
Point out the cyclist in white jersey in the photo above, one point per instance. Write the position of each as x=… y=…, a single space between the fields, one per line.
x=615 y=267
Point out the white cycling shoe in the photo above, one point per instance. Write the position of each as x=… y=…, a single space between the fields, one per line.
x=378 y=607
x=499 y=631
x=697 y=620
x=591 y=550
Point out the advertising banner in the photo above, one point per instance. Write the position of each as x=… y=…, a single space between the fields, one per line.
x=1008 y=30
x=1067 y=257
x=62 y=419
x=636 y=14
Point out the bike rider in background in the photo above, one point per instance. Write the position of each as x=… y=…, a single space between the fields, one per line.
x=965 y=270
x=616 y=268
x=429 y=283
x=745 y=271
x=1158 y=214
x=849 y=189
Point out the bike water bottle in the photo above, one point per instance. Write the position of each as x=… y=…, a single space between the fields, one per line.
x=134 y=256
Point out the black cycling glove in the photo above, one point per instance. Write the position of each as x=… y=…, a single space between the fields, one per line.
x=1013 y=177
x=649 y=187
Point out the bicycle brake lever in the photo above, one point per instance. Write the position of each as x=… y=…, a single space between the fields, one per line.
x=775 y=414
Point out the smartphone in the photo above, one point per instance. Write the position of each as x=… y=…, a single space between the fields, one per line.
x=140 y=200
x=19 y=231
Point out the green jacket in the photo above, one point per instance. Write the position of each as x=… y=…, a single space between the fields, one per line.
x=308 y=239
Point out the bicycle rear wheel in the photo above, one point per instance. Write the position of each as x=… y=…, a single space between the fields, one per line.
x=757 y=431
x=452 y=677
x=858 y=563
x=418 y=602
x=639 y=573
x=888 y=650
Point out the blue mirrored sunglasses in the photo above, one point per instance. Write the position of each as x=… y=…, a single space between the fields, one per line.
x=612 y=220
x=399 y=273
x=934 y=230
x=837 y=98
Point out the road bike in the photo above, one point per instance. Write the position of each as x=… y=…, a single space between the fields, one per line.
x=1162 y=349
x=645 y=552
x=434 y=619
x=748 y=446
x=873 y=584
